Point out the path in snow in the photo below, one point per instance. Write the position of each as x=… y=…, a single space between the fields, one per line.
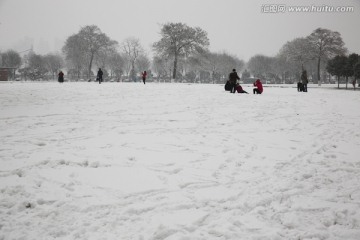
x=177 y=161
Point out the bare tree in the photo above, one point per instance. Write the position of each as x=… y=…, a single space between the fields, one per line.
x=260 y=65
x=213 y=67
x=36 y=67
x=105 y=58
x=327 y=44
x=191 y=67
x=284 y=69
x=210 y=62
x=11 y=58
x=239 y=64
x=143 y=63
x=116 y=64
x=162 y=67
x=88 y=42
x=53 y=62
x=132 y=49
x=178 y=40
x=74 y=54
x=299 y=50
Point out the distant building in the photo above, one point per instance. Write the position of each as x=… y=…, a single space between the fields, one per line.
x=4 y=73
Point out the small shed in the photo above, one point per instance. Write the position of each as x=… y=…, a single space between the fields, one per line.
x=4 y=73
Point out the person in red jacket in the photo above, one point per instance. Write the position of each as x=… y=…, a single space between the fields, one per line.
x=144 y=74
x=259 y=87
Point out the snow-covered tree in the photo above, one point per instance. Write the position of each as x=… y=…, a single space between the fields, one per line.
x=116 y=64
x=74 y=55
x=132 y=48
x=11 y=58
x=299 y=50
x=260 y=65
x=53 y=63
x=326 y=44
x=143 y=63
x=179 y=40
x=84 y=45
x=35 y=67
x=162 y=67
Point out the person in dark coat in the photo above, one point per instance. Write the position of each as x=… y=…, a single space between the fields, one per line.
x=304 y=80
x=300 y=87
x=259 y=87
x=144 y=74
x=61 y=77
x=228 y=85
x=233 y=77
x=354 y=84
x=99 y=76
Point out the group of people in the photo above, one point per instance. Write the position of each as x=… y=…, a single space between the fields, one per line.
x=233 y=84
x=99 y=76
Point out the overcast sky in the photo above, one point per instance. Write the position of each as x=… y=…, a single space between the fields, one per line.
x=238 y=27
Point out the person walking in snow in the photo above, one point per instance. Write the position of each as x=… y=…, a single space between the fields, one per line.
x=144 y=74
x=259 y=87
x=354 y=84
x=99 y=75
x=233 y=77
x=61 y=77
x=304 y=80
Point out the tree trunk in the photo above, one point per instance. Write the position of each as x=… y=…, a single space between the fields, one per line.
x=132 y=72
x=318 y=71
x=90 y=65
x=347 y=79
x=175 y=66
x=338 y=77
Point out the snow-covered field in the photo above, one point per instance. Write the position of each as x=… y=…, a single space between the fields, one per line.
x=177 y=161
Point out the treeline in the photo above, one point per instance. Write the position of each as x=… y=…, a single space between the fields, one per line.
x=318 y=53
x=346 y=67
x=182 y=54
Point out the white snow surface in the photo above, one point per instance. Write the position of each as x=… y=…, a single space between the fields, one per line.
x=177 y=161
